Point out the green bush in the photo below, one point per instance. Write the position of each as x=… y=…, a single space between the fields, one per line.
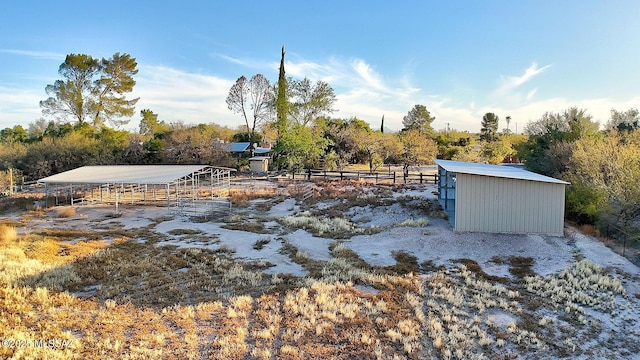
x=584 y=203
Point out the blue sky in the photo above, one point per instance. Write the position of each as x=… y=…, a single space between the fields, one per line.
x=460 y=59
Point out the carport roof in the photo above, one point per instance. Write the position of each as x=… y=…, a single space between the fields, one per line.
x=501 y=171
x=124 y=174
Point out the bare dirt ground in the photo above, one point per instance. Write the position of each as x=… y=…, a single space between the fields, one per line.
x=413 y=287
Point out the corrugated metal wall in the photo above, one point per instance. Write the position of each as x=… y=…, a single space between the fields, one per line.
x=491 y=204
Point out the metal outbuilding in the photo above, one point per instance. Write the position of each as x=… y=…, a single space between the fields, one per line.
x=173 y=185
x=500 y=198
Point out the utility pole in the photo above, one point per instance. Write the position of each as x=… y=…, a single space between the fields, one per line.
x=10 y=181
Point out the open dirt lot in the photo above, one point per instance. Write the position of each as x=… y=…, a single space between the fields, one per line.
x=357 y=271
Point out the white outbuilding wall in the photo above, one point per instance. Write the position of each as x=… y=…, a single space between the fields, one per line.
x=501 y=199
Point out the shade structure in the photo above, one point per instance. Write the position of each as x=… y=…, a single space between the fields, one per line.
x=124 y=174
x=177 y=186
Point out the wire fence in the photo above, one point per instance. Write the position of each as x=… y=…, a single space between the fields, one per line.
x=372 y=176
x=626 y=240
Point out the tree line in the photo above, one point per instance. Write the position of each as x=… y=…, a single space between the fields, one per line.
x=86 y=107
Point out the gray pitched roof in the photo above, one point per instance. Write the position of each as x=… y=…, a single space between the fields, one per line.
x=123 y=174
x=501 y=171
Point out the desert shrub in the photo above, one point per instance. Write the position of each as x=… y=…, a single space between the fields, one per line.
x=584 y=202
x=184 y=231
x=260 y=243
x=57 y=278
x=584 y=283
x=405 y=263
x=250 y=226
x=327 y=227
x=411 y=222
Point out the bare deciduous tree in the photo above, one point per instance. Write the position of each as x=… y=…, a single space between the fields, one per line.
x=253 y=99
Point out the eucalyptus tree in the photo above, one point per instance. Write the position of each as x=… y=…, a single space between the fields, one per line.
x=92 y=90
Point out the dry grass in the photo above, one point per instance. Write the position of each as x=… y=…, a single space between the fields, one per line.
x=241 y=197
x=8 y=234
x=150 y=302
x=302 y=322
x=250 y=226
x=133 y=298
x=65 y=212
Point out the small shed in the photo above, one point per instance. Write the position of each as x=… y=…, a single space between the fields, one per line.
x=500 y=198
x=259 y=164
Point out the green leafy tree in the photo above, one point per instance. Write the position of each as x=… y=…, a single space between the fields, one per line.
x=605 y=179
x=116 y=79
x=299 y=147
x=571 y=125
x=418 y=118
x=489 y=127
x=418 y=148
x=92 y=90
x=352 y=141
x=308 y=101
x=390 y=149
x=342 y=142
x=626 y=121
x=15 y=134
x=451 y=142
x=151 y=126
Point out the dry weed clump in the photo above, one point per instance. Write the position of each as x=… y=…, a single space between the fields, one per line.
x=584 y=283
x=241 y=197
x=8 y=234
x=411 y=222
x=247 y=225
x=318 y=317
x=65 y=212
x=326 y=227
x=455 y=303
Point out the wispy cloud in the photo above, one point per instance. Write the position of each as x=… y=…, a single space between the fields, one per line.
x=234 y=60
x=177 y=95
x=35 y=54
x=511 y=82
x=193 y=97
x=18 y=106
x=368 y=76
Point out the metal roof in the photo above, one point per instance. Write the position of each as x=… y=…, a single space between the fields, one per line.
x=261 y=150
x=501 y=171
x=239 y=146
x=124 y=174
